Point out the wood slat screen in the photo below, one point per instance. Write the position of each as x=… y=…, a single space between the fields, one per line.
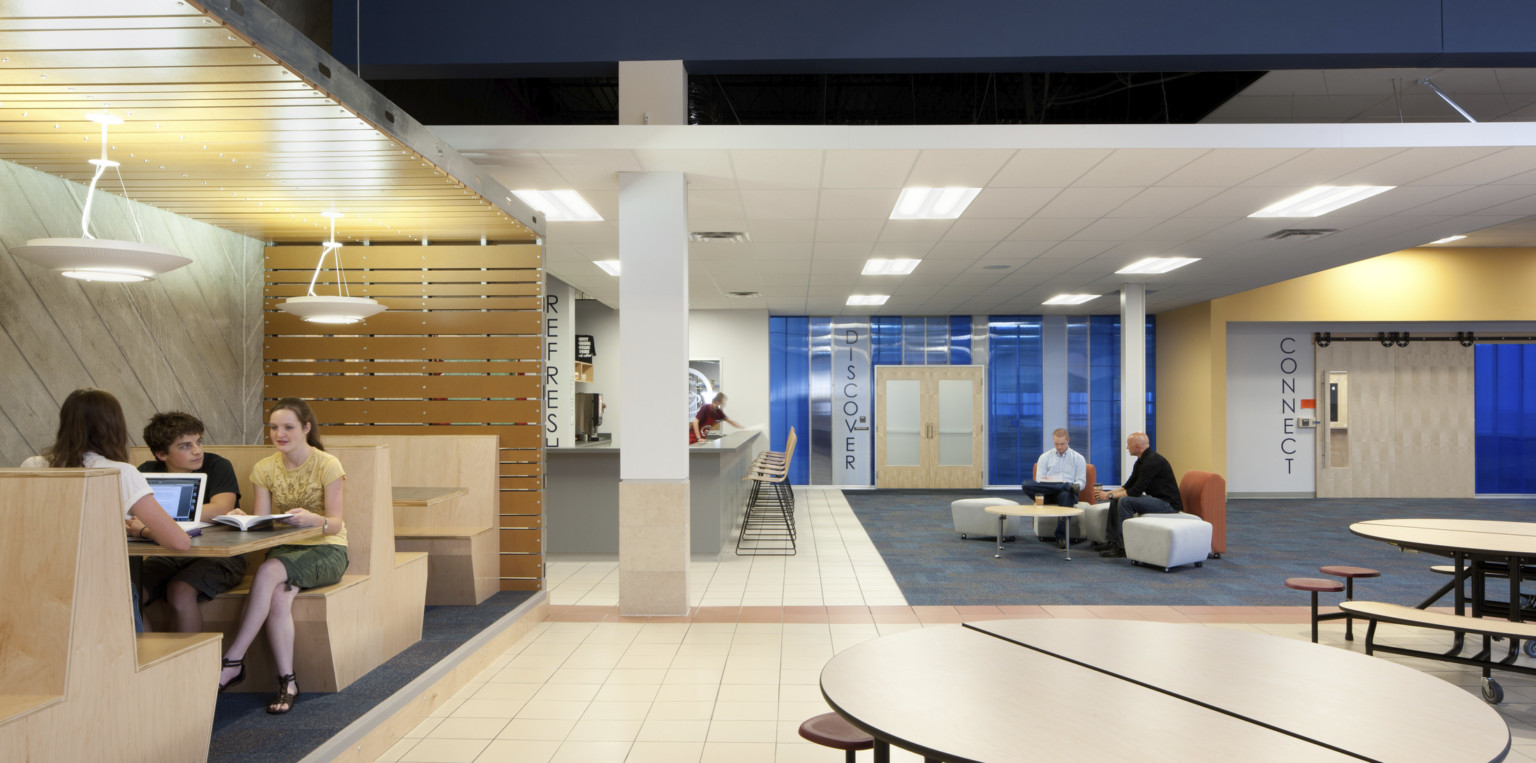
x=460 y=351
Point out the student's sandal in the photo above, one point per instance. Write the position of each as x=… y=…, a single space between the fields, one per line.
x=284 y=698
x=228 y=663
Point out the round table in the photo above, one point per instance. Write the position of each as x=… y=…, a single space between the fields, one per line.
x=1064 y=513
x=1092 y=689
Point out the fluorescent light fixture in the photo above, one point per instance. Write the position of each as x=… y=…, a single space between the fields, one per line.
x=611 y=267
x=1154 y=265
x=1320 y=200
x=932 y=203
x=1070 y=299
x=867 y=299
x=560 y=206
x=890 y=267
x=1447 y=239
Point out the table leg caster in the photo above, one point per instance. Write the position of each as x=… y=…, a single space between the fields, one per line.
x=1493 y=693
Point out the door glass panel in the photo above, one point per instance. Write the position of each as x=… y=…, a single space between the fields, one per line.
x=903 y=422
x=956 y=435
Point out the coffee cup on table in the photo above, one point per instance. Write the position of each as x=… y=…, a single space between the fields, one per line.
x=1039 y=500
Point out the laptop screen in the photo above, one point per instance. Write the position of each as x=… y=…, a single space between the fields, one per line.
x=178 y=494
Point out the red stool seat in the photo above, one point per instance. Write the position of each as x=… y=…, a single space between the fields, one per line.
x=1345 y=571
x=1314 y=584
x=830 y=730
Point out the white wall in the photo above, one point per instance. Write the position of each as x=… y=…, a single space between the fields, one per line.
x=1269 y=372
x=739 y=340
x=559 y=363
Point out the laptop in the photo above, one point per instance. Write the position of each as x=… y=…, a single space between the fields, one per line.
x=181 y=495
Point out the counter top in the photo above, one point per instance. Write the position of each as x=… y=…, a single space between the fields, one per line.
x=731 y=442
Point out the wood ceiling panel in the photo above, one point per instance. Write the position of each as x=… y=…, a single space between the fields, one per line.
x=216 y=129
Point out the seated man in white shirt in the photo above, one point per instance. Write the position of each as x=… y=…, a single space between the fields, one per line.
x=1060 y=474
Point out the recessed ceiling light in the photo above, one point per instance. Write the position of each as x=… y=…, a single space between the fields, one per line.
x=1447 y=239
x=1070 y=299
x=868 y=299
x=1154 y=265
x=611 y=267
x=890 y=267
x=560 y=206
x=932 y=203
x=1320 y=200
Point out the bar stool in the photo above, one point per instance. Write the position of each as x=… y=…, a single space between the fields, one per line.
x=1314 y=585
x=830 y=730
x=1349 y=574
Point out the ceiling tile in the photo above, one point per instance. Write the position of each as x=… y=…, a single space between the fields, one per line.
x=1137 y=167
x=1412 y=165
x=914 y=230
x=796 y=280
x=970 y=168
x=779 y=205
x=865 y=231
x=782 y=231
x=1320 y=166
x=870 y=204
x=777 y=169
x=957 y=249
x=706 y=204
x=705 y=170
x=1476 y=200
x=1492 y=168
x=1022 y=250
x=1047 y=168
x=854 y=168
x=1077 y=249
x=1163 y=202
x=1114 y=229
x=1049 y=229
x=910 y=250
x=1008 y=203
x=1086 y=202
x=1229 y=166
x=980 y=230
x=594 y=169
x=783 y=251
x=839 y=251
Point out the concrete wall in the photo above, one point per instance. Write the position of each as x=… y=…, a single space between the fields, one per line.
x=189 y=341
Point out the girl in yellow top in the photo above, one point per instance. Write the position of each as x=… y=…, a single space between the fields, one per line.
x=306 y=482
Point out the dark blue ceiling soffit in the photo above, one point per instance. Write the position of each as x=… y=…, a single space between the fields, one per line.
x=486 y=38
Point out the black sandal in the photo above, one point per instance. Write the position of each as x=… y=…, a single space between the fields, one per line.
x=228 y=663
x=284 y=696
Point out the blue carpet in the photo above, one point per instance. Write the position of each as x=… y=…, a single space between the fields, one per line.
x=1267 y=542
x=242 y=730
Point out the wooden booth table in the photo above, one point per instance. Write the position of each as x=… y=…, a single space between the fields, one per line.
x=1091 y=689
x=1064 y=513
x=423 y=497
x=222 y=540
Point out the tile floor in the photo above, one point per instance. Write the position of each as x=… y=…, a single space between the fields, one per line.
x=733 y=681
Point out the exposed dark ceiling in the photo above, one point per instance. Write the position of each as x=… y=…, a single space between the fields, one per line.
x=839 y=99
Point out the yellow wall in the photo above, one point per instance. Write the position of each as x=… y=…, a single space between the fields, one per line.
x=1441 y=284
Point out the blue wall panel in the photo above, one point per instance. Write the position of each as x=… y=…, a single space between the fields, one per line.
x=959 y=340
x=1015 y=407
x=1505 y=418
x=789 y=392
x=1104 y=397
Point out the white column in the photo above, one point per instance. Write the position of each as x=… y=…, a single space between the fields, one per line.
x=653 y=93
x=1053 y=379
x=1133 y=367
x=653 y=363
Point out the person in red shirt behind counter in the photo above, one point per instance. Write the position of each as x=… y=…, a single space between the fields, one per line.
x=710 y=414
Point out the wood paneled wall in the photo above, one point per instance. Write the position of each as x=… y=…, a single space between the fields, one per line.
x=1410 y=422
x=458 y=352
x=188 y=341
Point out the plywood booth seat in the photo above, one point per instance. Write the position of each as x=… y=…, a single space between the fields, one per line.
x=344 y=630
x=76 y=683
x=459 y=534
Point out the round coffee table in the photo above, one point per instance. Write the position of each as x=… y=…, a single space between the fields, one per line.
x=1064 y=513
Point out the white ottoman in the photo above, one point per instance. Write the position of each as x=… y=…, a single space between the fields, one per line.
x=1167 y=540
x=973 y=521
x=1094 y=516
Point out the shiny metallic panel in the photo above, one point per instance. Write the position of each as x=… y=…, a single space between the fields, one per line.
x=821 y=401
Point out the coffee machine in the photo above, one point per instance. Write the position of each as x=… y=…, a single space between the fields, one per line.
x=589 y=416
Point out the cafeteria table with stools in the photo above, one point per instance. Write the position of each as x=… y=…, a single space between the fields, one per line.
x=1095 y=689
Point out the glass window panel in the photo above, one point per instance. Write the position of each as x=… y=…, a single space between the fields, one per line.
x=956 y=425
x=959 y=340
x=914 y=337
x=903 y=422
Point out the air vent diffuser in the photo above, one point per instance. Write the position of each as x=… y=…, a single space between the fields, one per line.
x=1300 y=233
x=723 y=236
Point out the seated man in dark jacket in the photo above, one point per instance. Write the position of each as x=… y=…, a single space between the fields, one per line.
x=1152 y=489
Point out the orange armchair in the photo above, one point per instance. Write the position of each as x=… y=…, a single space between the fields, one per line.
x=1205 y=495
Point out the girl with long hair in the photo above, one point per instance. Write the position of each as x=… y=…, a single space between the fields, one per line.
x=304 y=481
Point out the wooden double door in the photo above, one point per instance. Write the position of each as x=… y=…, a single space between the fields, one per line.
x=929 y=423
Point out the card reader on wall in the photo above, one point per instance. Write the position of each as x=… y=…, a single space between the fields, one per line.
x=1306 y=422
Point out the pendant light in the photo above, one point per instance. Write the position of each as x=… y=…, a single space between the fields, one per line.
x=98 y=259
x=340 y=309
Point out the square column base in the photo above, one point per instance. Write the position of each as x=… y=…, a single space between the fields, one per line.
x=653 y=547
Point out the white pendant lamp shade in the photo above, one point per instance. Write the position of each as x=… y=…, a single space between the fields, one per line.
x=97 y=259
x=100 y=259
x=338 y=310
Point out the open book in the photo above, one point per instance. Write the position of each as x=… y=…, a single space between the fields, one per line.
x=243 y=522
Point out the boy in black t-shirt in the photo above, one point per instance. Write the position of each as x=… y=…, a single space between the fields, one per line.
x=176 y=439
